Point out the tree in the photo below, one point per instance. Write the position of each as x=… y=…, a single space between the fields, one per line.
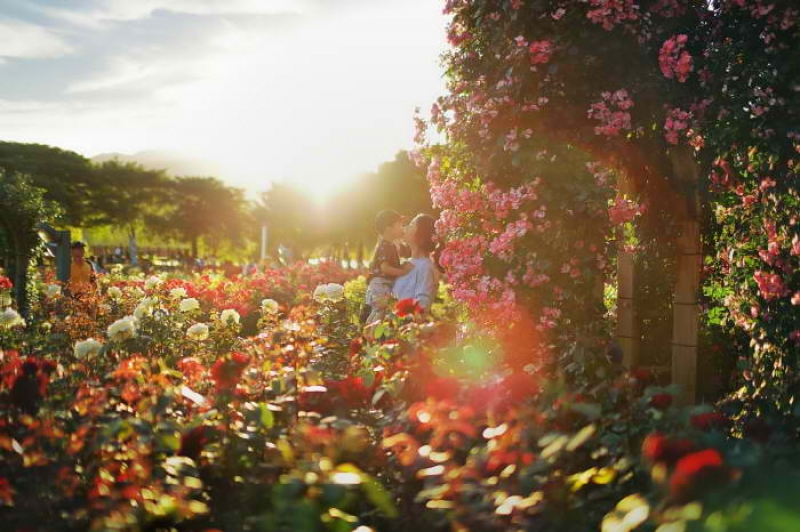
x=292 y=217
x=202 y=208
x=66 y=177
x=127 y=195
x=22 y=207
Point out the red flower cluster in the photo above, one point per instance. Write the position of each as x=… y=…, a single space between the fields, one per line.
x=661 y=401
x=658 y=448
x=709 y=421
x=226 y=372
x=406 y=307
x=5 y=283
x=698 y=472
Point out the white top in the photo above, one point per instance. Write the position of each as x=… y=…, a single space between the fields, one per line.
x=419 y=283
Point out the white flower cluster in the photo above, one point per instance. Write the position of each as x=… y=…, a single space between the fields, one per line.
x=189 y=305
x=229 y=317
x=122 y=329
x=87 y=348
x=178 y=293
x=198 y=332
x=114 y=293
x=52 y=290
x=330 y=292
x=10 y=318
x=153 y=282
x=269 y=307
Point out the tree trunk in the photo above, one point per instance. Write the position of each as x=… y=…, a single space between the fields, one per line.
x=21 y=263
x=194 y=247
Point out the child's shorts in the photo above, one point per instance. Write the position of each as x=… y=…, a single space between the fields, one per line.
x=379 y=292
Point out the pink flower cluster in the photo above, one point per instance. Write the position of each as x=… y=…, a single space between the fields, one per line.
x=770 y=285
x=612 y=113
x=540 y=52
x=623 y=211
x=677 y=120
x=609 y=13
x=674 y=60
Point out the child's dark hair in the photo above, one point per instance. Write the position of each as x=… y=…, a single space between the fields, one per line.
x=425 y=233
x=386 y=219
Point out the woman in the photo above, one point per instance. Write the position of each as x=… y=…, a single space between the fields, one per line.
x=422 y=282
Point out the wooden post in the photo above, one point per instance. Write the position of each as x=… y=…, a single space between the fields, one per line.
x=686 y=307
x=628 y=334
x=686 y=312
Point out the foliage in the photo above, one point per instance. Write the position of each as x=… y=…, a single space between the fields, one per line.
x=202 y=207
x=22 y=207
x=65 y=176
x=157 y=403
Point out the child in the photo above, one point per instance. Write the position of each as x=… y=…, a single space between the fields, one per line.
x=385 y=266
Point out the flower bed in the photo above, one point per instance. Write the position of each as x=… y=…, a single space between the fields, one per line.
x=147 y=408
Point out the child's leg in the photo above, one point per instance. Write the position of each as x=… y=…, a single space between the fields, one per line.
x=379 y=292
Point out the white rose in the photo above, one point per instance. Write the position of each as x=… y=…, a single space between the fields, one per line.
x=189 y=304
x=136 y=292
x=335 y=292
x=229 y=315
x=320 y=292
x=142 y=311
x=269 y=306
x=114 y=292
x=122 y=329
x=328 y=292
x=10 y=318
x=152 y=282
x=87 y=348
x=198 y=331
x=52 y=290
x=178 y=293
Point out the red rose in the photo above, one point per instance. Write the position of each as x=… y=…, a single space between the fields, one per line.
x=658 y=448
x=407 y=306
x=226 y=372
x=193 y=441
x=661 y=401
x=708 y=421
x=698 y=472
x=355 y=346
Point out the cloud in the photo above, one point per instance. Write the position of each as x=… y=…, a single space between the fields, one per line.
x=28 y=41
x=127 y=10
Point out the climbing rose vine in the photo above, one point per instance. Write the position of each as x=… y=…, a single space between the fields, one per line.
x=550 y=102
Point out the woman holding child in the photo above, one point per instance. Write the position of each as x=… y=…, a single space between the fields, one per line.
x=416 y=278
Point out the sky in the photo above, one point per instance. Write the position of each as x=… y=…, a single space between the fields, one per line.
x=312 y=92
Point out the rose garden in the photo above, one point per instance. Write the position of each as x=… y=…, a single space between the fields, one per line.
x=614 y=345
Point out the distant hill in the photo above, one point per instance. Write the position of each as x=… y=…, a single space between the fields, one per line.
x=160 y=160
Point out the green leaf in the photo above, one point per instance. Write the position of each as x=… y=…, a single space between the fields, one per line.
x=378 y=496
x=266 y=417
